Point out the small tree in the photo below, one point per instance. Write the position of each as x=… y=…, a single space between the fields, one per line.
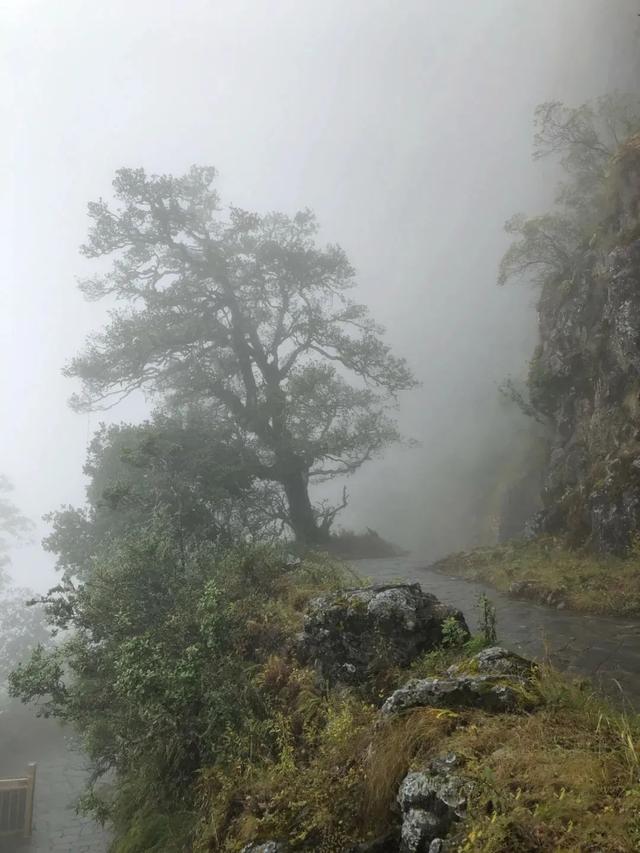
x=247 y=317
x=544 y=250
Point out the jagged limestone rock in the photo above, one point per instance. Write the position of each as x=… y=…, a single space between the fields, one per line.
x=430 y=801
x=348 y=634
x=265 y=847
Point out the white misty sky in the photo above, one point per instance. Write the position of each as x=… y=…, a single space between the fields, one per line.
x=405 y=125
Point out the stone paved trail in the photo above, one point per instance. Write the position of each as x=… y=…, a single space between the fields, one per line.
x=61 y=777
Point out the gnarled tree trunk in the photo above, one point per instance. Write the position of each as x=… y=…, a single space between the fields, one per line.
x=302 y=518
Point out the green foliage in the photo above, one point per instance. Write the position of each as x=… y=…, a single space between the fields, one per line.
x=180 y=676
x=159 y=670
x=246 y=317
x=488 y=621
x=437 y=661
x=453 y=634
x=547 y=249
x=175 y=473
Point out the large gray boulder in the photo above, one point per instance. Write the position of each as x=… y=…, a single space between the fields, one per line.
x=430 y=801
x=348 y=634
x=265 y=847
x=487 y=692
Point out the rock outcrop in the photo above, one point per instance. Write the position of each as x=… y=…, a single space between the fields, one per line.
x=485 y=692
x=347 y=635
x=584 y=378
x=431 y=801
x=494 y=680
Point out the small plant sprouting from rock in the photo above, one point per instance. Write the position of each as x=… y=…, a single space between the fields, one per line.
x=454 y=635
x=488 y=620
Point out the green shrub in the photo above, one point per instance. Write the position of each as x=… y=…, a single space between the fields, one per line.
x=454 y=635
x=159 y=673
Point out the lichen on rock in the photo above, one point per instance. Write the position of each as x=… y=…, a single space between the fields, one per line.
x=430 y=801
x=496 y=661
x=494 y=693
x=347 y=634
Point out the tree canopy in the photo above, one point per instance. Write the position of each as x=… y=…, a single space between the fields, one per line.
x=245 y=316
x=172 y=474
x=585 y=140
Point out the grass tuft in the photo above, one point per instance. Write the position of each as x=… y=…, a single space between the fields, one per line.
x=577 y=579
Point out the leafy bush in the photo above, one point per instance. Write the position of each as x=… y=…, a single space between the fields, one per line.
x=453 y=634
x=160 y=670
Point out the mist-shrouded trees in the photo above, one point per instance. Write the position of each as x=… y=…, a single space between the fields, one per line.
x=247 y=318
x=585 y=140
x=21 y=627
x=13 y=525
x=170 y=475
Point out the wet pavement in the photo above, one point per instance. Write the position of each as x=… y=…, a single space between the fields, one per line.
x=606 y=649
x=61 y=777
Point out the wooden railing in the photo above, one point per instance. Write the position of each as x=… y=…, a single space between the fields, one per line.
x=16 y=805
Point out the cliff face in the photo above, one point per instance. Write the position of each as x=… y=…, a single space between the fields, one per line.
x=585 y=378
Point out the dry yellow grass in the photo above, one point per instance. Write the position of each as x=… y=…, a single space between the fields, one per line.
x=563 y=779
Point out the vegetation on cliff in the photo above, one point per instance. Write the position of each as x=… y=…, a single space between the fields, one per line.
x=582 y=383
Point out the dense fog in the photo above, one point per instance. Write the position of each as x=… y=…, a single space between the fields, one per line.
x=406 y=127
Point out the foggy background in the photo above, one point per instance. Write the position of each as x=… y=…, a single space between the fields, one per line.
x=406 y=126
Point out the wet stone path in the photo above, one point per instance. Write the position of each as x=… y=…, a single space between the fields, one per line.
x=604 y=649
x=61 y=778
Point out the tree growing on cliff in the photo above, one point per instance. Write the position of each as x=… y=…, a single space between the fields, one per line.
x=585 y=140
x=544 y=250
x=247 y=317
